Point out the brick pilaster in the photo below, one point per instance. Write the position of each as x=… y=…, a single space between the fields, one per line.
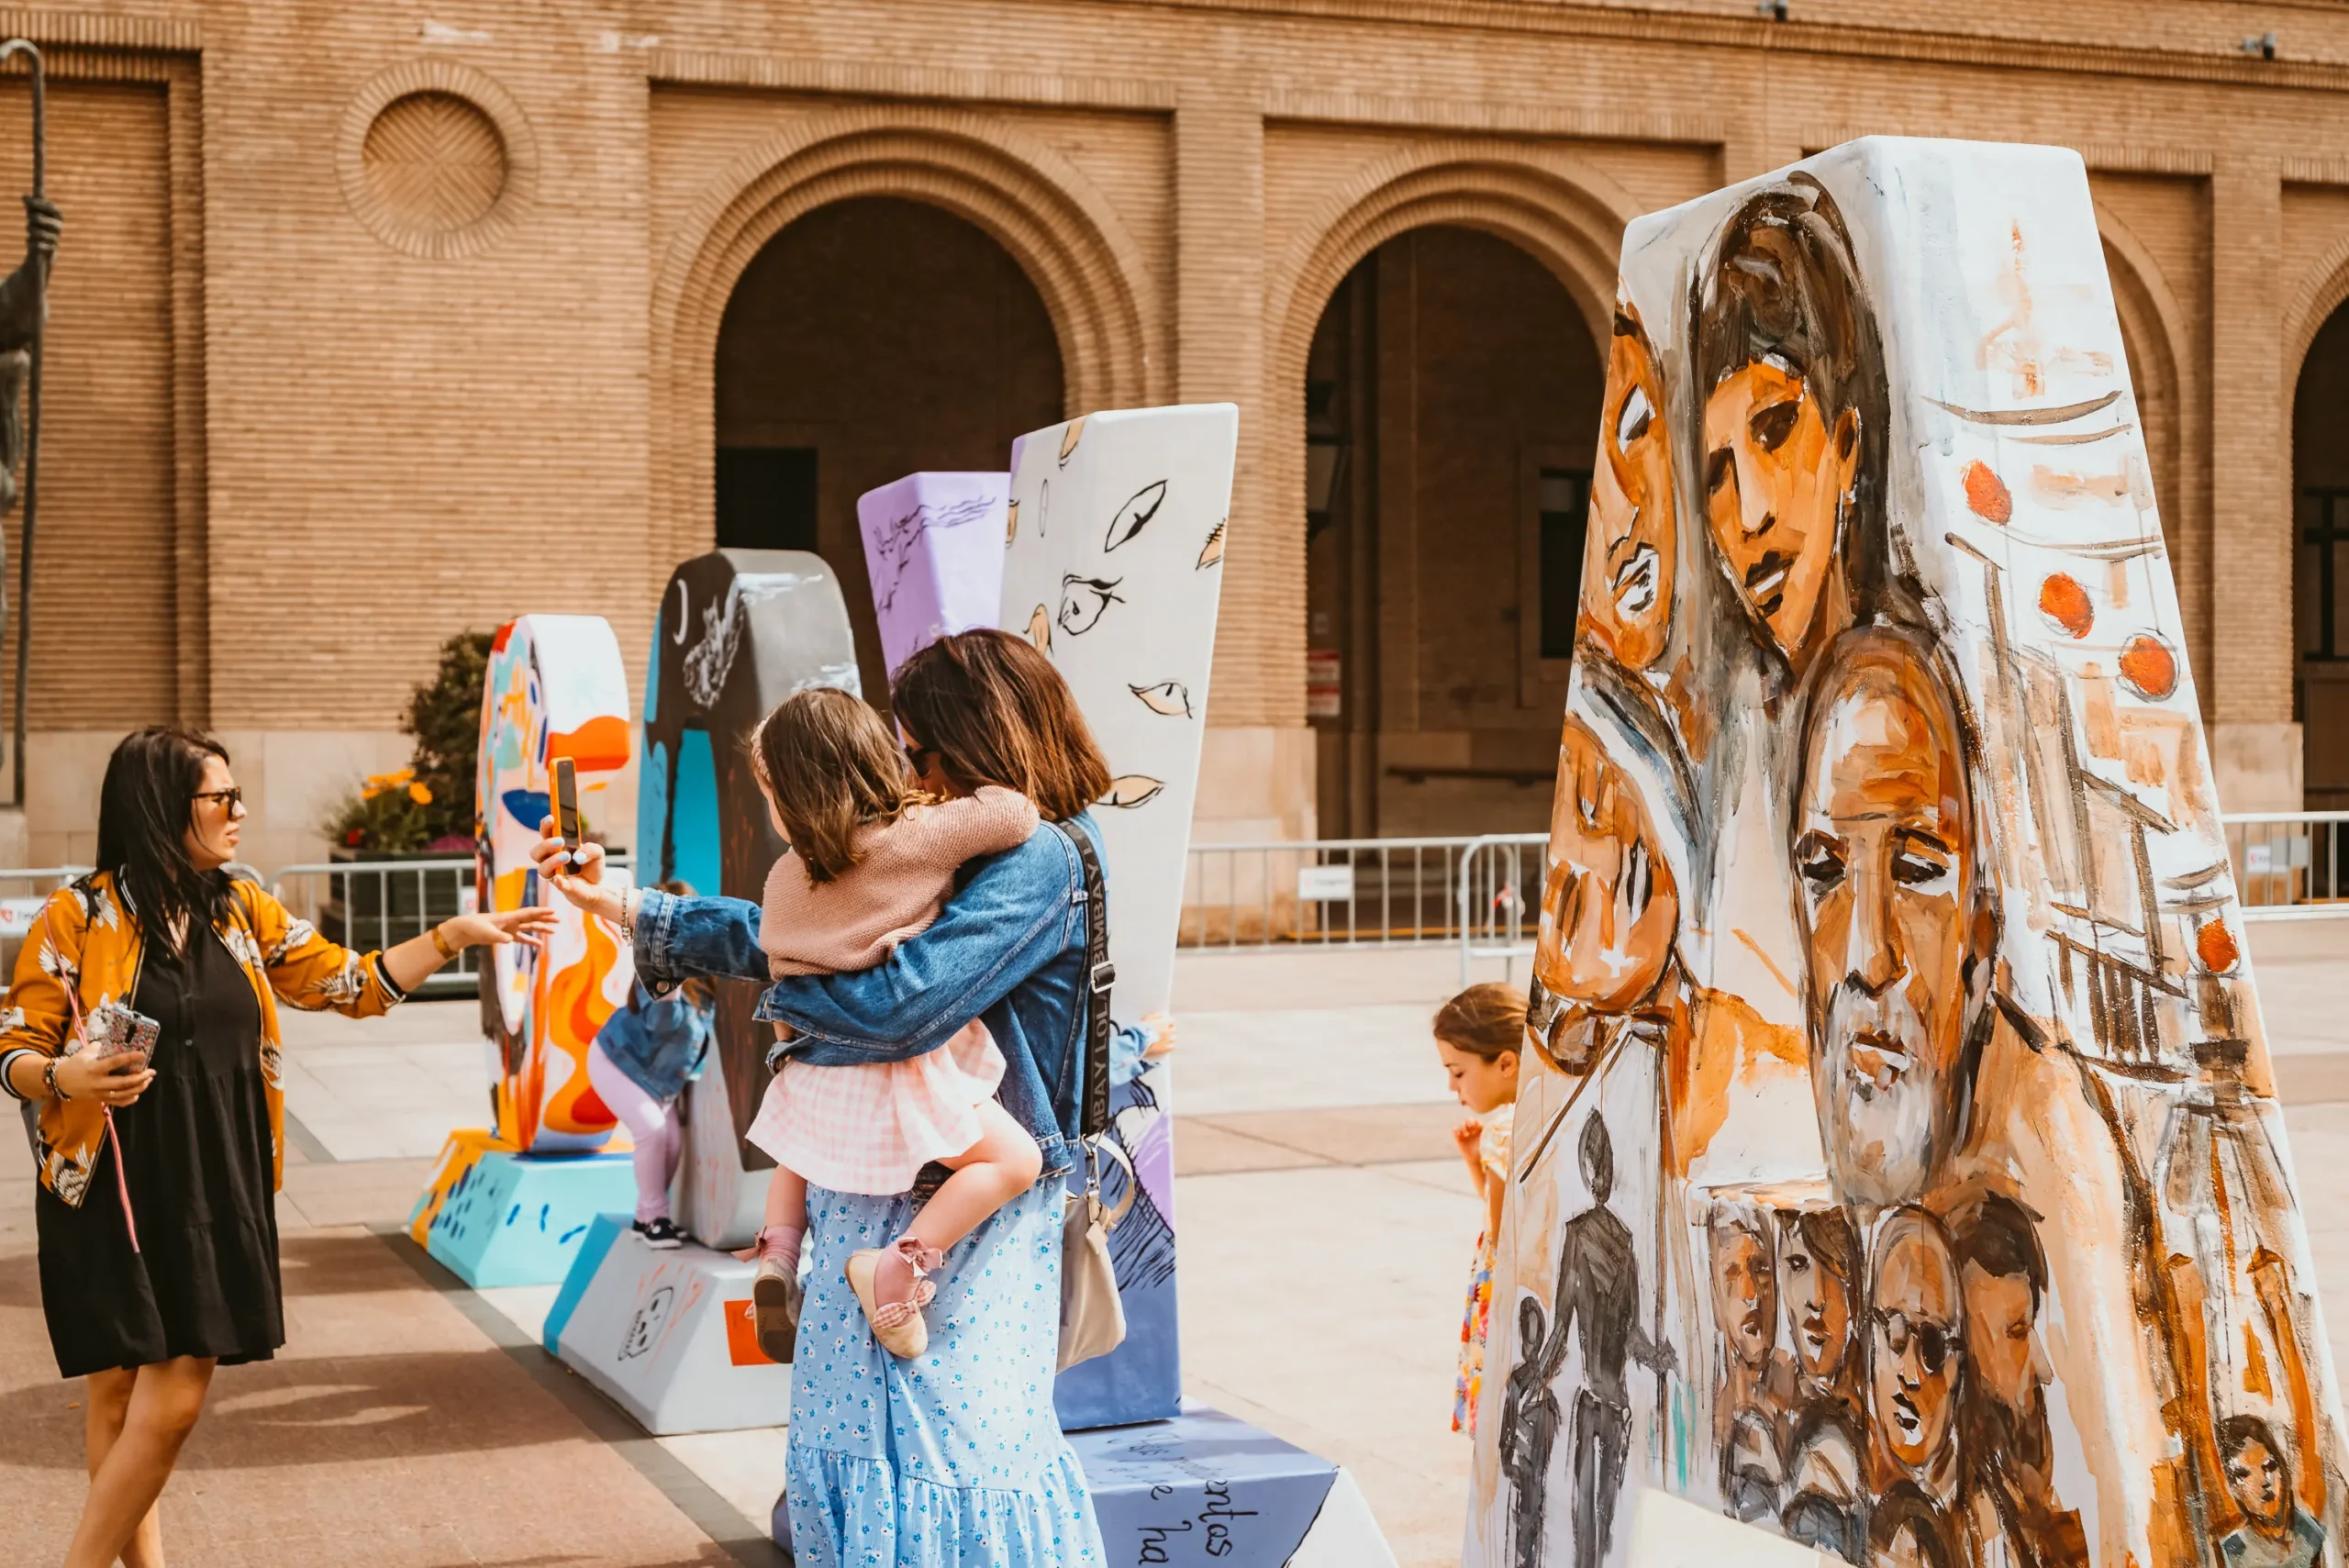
x=2251 y=678
x=1219 y=314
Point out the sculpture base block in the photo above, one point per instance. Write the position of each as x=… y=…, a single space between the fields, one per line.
x=667 y=1336
x=495 y=1217
x=1206 y=1490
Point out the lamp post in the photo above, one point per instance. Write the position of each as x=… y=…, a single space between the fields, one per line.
x=33 y=309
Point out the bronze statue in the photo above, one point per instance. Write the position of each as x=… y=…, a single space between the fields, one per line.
x=23 y=304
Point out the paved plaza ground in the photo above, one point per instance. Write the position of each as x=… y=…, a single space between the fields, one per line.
x=411 y=1424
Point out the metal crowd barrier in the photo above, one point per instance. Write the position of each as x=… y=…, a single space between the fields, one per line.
x=23 y=891
x=2290 y=865
x=1500 y=900
x=1321 y=892
x=380 y=904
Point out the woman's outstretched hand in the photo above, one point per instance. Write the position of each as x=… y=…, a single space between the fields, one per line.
x=528 y=926
x=580 y=881
x=1160 y=1030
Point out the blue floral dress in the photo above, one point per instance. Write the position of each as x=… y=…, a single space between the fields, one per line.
x=953 y=1460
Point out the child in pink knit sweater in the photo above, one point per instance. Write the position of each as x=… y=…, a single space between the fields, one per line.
x=871 y=863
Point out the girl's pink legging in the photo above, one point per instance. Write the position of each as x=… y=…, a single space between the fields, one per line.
x=653 y=1124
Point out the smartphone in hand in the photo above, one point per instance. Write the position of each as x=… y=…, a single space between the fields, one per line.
x=116 y=1029
x=566 y=804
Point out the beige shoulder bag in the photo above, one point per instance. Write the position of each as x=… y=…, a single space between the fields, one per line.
x=1093 y=1320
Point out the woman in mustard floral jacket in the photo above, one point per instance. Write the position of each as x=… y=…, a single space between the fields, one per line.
x=158 y=1163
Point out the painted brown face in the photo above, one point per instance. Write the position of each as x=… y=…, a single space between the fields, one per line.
x=2002 y=1337
x=1744 y=1303
x=1818 y=1307
x=1627 y=573
x=1884 y=863
x=1776 y=475
x=2256 y=1477
x=1916 y=1342
x=1609 y=907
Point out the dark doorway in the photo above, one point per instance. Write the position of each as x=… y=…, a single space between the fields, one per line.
x=869 y=339
x=2321 y=566
x=766 y=498
x=1452 y=408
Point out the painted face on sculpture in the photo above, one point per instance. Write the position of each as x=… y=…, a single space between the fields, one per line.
x=1884 y=864
x=1745 y=1293
x=1776 y=478
x=1818 y=1304
x=1609 y=906
x=1916 y=1341
x=2255 y=1476
x=2002 y=1338
x=1634 y=535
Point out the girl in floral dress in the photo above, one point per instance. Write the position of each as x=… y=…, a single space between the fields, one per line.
x=1479 y=1034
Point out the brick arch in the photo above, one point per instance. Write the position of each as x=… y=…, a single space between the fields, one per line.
x=1091 y=274
x=2323 y=290
x=1556 y=208
x=2160 y=362
x=1560 y=210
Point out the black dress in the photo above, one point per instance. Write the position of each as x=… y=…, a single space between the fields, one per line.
x=196 y=1151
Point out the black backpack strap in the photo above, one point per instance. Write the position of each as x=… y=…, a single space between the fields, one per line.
x=1100 y=975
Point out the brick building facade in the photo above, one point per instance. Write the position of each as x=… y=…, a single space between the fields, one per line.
x=375 y=322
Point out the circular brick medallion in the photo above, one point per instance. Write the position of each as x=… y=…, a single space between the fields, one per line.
x=436 y=159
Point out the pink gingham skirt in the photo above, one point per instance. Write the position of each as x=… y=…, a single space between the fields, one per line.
x=871 y=1128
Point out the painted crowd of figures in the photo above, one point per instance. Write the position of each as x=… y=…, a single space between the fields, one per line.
x=1848 y=845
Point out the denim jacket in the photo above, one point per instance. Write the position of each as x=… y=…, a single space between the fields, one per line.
x=659 y=1042
x=1008 y=949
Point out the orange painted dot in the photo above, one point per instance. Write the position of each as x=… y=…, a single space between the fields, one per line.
x=1986 y=493
x=2149 y=667
x=2066 y=602
x=2216 y=945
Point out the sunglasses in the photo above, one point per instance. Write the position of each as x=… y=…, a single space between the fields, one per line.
x=229 y=799
x=1935 y=1343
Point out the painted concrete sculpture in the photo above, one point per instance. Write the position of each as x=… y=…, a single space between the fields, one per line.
x=738 y=631
x=555 y=688
x=931 y=552
x=491 y=1210
x=1113 y=567
x=1898 y=1164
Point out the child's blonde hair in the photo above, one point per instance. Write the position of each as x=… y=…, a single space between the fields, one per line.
x=1486 y=1021
x=832 y=765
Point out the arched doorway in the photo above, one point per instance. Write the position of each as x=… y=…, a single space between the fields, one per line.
x=866 y=340
x=1452 y=409
x=2320 y=565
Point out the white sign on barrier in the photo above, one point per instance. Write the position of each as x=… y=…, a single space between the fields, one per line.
x=1325 y=885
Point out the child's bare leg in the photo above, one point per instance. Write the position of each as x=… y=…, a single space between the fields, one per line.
x=786 y=1218
x=1001 y=1165
x=774 y=1289
x=787 y=1201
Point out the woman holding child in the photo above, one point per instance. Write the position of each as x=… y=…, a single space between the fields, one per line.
x=921 y=1035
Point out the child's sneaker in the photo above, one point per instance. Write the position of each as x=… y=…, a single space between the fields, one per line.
x=774 y=1307
x=661 y=1234
x=897 y=1324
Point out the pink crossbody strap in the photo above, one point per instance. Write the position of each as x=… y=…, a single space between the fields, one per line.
x=114 y=1135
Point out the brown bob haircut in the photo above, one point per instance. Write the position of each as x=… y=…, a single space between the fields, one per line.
x=832 y=766
x=996 y=712
x=1487 y=1020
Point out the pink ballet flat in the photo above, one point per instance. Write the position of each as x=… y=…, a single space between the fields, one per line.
x=897 y=1325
